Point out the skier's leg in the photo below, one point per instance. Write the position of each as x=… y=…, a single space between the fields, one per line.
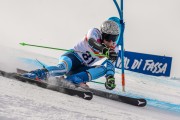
x=92 y=73
x=87 y=75
x=66 y=63
x=63 y=67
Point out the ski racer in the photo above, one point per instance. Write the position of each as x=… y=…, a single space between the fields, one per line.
x=78 y=65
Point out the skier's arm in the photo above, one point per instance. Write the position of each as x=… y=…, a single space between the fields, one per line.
x=111 y=54
x=95 y=45
x=92 y=37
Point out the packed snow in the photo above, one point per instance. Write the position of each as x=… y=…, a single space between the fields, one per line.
x=62 y=24
x=22 y=101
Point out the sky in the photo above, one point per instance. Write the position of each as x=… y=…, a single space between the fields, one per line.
x=152 y=26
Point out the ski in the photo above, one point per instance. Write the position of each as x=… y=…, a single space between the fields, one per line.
x=66 y=87
x=140 y=102
x=63 y=85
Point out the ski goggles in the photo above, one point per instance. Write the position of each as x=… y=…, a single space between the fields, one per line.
x=109 y=37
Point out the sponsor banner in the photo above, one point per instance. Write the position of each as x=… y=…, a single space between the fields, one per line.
x=145 y=63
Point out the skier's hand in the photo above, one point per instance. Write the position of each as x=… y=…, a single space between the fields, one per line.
x=110 y=83
x=110 y=53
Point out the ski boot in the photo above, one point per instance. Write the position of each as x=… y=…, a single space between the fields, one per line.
x=39 y=74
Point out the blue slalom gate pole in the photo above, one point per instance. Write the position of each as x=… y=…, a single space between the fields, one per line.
x=121 y=39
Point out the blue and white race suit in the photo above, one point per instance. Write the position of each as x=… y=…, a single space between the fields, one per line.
x=78 y=65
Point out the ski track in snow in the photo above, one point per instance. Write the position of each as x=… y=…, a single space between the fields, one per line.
x=159 y=92
x=22 y=101
x=25 y=101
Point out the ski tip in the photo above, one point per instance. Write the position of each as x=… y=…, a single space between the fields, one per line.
x=141 y=102
x=88 y=95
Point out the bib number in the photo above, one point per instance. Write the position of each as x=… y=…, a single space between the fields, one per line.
x=88 y=58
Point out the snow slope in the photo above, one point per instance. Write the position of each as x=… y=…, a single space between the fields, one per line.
x=21 y=101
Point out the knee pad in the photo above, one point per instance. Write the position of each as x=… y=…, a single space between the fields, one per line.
x=63 y=67
x=67 y=62
x=96 y=72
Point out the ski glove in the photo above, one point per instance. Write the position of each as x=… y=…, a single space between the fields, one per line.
x=110 y=53
x=110 y=82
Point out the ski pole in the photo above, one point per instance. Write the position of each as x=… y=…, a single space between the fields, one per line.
x=41 y=63
x=26 y=44
x=97 y=82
